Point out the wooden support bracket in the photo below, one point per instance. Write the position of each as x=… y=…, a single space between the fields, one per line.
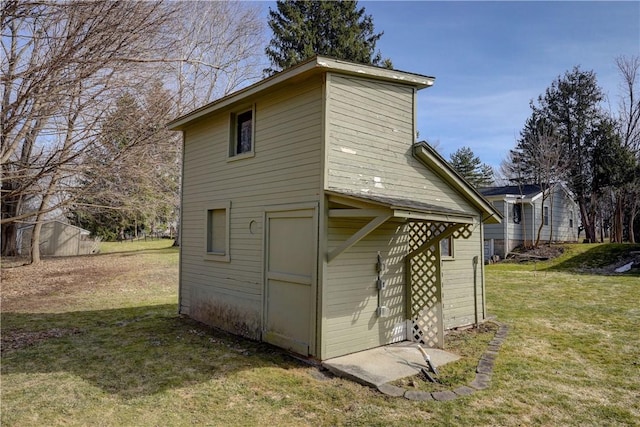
x=359 y=235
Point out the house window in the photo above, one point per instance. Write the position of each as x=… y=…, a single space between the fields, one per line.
x=242 y=134
x=545 y=216
x=517 y=213
x=217 y=238
x=570 y=219
x=446 y=247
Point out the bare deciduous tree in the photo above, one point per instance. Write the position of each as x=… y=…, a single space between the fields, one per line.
x=61 y=62
x=65 y=63
x=218 y=49
x=538 y=158
x=629 y=121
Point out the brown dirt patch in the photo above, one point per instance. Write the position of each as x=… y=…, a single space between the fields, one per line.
x=29 y=286
x=15 y=340
x=542 y=252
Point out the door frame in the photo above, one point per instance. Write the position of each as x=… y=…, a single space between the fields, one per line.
x=283 y=211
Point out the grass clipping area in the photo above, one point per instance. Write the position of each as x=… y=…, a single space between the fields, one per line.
x=96 y=340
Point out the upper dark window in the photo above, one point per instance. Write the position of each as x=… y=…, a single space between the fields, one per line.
x=244 y=132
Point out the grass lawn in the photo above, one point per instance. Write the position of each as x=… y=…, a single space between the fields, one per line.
x=97 y=340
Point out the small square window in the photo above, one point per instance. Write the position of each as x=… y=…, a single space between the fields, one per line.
x=217 y=228
x=242 y=134
x=446 y=247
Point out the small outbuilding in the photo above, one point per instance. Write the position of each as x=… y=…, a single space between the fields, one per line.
x=312 y=219
x=58 y=239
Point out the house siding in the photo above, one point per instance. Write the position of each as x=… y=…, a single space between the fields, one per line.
x=351 y=297
x=370 y=131
x=528 y=227
x=285 y=169
x=496 y=231
x=459 y=282
x=560 y=207
x=369 y=143
x=565 y=217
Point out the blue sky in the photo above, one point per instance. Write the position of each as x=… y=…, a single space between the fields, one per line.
x=491 y=58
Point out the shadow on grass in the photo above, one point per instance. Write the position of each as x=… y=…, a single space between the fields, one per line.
x=605 y=257
x=21 y=261
x=129 y=252
x=129 y=351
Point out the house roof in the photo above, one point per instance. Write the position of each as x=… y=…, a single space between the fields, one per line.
x=82 y=230
x=525 y=193
x=522 y=191
x=314 y=65
x=430 y=157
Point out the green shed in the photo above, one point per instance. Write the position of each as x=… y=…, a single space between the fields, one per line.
x=313 y=219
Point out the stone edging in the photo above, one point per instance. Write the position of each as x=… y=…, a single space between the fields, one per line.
x=484 y=371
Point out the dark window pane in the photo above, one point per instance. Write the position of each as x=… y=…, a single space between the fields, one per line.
x=445 y=247
x=244 y=132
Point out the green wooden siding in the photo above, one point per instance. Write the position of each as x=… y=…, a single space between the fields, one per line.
x=369 y=139
x=286 y=169
x=351 y=296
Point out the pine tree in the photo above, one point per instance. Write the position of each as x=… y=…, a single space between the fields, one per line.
x=130 y=174
x=339 y=29
x=572 y=106
x=471 y=167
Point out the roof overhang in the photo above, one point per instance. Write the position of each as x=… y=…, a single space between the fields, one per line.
x=369 y=205
x=380 y=209
x=428 y=156
x=314 y=65
x=512 y=198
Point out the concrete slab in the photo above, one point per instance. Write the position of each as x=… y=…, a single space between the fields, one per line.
x=381 y=365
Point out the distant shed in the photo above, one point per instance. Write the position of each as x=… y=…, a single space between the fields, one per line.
x=58 y=239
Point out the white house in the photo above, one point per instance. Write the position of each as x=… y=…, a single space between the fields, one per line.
x=523 y=211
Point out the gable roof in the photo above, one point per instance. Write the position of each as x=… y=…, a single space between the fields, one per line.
x=528 y=191
x=51 y=221
x=432 y=159
x=525 y=193
x=314 y=65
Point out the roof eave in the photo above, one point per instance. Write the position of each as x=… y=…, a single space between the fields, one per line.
x=318 y=63
x=396 y=210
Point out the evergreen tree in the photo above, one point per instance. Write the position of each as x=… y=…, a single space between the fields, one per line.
x=339 y=29
x=471 y=168
x=613 y=166
x=131 y=172
x=571 y=106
